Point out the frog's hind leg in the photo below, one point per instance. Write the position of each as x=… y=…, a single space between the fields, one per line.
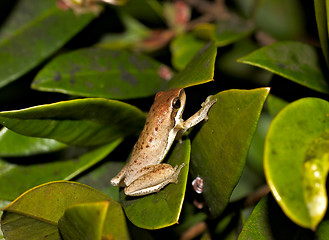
x=155 y=178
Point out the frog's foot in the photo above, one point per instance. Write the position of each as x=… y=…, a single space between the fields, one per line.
x=154 y=180
x=207 y=104
x=117 y=181
x=177 y=171
x=200 y=115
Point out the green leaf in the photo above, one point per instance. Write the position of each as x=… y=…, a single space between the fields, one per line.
x=161 y=209
x=99 y=72
x=295 y=61
x=296 y=160
x=35 y=214
x=99 y=178
x=96 y=220
x=322 y=232
x=135 y=32
x=199 y=70
x=220 y=148
x=320 y=7
x=83 y=122
x=280 y=19
x=147 y=10
x=267 y=222
x=226 y=63
x=183 y=49
x=275 y=104
x=231 y=30
x=32 y=33
x=16 y=145
x=84 y=221
x=16 y=178
x=205 y=31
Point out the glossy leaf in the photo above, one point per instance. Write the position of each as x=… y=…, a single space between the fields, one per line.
x=161 y=209
x=296 y=160
x=199 y=70
x=220 y=148
x=231 y=30
x=31 y=34
x=183 y=49
x=268 y=222
x=320 y=7
x=99 y=72
x=16 y=178
x=29 y=218
x=96 y=220
x=295 y=61
x=82 y=122
x=84 y=221
x=16 y=145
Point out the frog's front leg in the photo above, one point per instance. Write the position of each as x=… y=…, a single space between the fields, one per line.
x=200 y=115
x=153 y=178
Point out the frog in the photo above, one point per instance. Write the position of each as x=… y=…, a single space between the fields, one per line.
x=144 y=173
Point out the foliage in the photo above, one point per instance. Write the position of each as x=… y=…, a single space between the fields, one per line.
x=76 y=81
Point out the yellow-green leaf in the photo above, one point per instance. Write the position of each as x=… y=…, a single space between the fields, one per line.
x=35 y=214
x=296 y=160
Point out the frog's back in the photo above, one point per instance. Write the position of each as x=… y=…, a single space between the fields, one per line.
x=153 y=142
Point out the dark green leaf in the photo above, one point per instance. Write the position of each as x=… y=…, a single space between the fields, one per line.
x=82 y=122
x=322 y=231
x=232 y=30
x=226 y=63
x=16 y=145
x=134 y=33
x=148 y=10
x=99 y=178
x=320 y=7
x=183 y=49
x=280 y=19
x=220 y=148
x=296 y=160
x=199 y=70
x=161 y=209
x=99 y=72
x=16 y=178
x=267 y=222
x=275 y=104
x=34 y=31
x=295 y=61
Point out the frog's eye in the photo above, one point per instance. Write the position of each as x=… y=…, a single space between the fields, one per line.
x=176 y=103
